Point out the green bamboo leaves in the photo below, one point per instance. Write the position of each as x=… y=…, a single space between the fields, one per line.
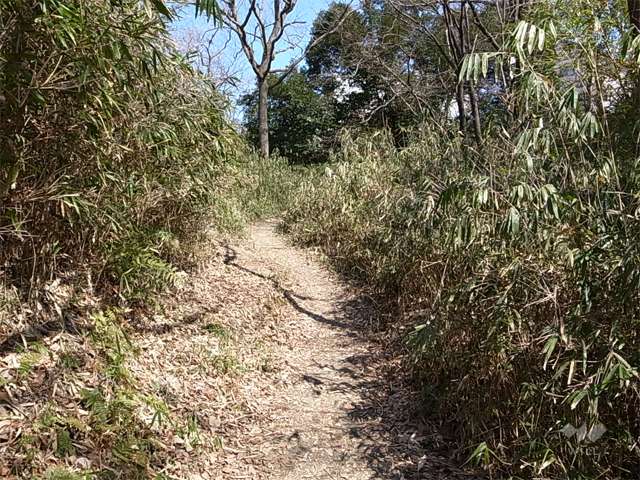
x=118 y=143
x=209 y=8
x=476 y=65
x=528 y=37
x=160 y=7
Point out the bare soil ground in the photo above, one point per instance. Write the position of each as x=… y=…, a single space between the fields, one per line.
x=342 y=409
x=266 y=368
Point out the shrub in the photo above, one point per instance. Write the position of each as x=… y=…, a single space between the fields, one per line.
x=112 y=146
x=521 y=287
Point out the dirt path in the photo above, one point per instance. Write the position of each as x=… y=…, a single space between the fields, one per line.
x=314 y=431
x=336 y=414
x=261 y=365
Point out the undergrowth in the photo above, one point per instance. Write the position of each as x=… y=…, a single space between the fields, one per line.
x=522 y=295
x=515 y=263
x=103 y=413
x=117 y=156
x=117 y=165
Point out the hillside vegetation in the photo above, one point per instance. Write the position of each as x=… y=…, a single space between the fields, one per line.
x=473 y=165
x=512 y=260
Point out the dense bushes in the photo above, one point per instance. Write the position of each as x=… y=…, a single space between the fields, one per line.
x=113 y=148
x=515 y=259
x=522 y=288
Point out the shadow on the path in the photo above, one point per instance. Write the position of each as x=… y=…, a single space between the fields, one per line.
x=35 y=333
x=294 y=299
x=393 y=437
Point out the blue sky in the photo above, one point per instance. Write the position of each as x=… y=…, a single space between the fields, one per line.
x=306 y=11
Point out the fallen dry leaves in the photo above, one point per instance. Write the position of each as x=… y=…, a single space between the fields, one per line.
x=261 y=365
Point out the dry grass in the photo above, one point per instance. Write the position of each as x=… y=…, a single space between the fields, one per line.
x=135 y=393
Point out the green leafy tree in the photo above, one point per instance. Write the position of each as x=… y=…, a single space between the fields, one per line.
x=340 y=66
x=379 y=71
x=301 y=123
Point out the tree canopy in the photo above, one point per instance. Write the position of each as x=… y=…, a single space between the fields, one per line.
x=302 y=123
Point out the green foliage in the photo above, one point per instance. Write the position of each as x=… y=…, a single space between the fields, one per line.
x=525 y=320
x=113 y=417
x=337 y=62
x=64 y=447
x=139 y=264
x=64 y=474
x=301 y=121
x=112 y=146
x=376 y=71
x=32 y=356
x=253 y=188
x=112 y=341
x=70 y=361
x=219 y=331
x=516 y=266
x=209 y=8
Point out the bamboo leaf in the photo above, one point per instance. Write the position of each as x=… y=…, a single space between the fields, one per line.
x=548 y=350
x=577 y=397
x=209 y=8
x=532 y=39
x=161 y=8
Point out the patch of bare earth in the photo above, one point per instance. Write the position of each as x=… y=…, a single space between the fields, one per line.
x=336 y=406
x=265 y=368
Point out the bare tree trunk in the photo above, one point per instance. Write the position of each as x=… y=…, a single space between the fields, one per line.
x=259 y=45
x=263 y=117
x=461 y=109
x=475 y=112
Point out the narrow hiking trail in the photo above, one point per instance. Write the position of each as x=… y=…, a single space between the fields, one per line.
x=262 y=365
x=313 y=435
x=339 y=411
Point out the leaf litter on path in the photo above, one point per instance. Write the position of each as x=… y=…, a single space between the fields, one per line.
x=260 y=366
